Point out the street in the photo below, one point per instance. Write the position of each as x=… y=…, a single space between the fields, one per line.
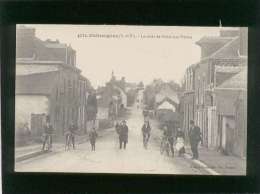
x=109 y=159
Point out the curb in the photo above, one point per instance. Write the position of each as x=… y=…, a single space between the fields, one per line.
x=41 y=152
x=30 y=155
x=201 y=165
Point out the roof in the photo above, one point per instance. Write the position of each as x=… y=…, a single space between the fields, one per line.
x=22 y=26
x=120 y=89
x=23 y=61
x=229 y=50
x=167 y=92
x=237 y=81
x=38 y=83
x=55 y=45
x=166 y=105
x=213 y=39
x=228 y=69
x=32 y=61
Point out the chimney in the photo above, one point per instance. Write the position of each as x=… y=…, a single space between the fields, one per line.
x=25 y=41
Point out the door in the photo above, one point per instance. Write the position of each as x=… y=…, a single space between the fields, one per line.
x=223 y=140
x=37 y=124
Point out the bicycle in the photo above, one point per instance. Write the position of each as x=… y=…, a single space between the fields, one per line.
x=47 y=139
x=146 y=137
x=165 y=146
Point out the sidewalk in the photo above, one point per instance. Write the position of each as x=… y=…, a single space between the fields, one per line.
x=222 y=164
x=33 y=150
x=210 y=161
x=30 y=151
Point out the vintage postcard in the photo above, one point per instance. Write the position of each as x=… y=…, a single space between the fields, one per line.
x=131 y=99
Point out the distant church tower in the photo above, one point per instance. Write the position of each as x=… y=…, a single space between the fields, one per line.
x=113 y=77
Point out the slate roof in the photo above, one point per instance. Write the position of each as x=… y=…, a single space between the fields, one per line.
x=166 y=105
x=237 y=81
x=167 y=92
x=213 y=39
x=225 y=72
x=229 y=50
x=38 y=83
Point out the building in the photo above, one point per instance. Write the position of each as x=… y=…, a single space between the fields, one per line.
x=231 y=101
x=48 y=83
x=112 y=96
x=167 y=106
x=166 y=91
x=222 y=57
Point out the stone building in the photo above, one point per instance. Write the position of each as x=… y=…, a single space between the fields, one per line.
x=222 y=57
x=48 y=82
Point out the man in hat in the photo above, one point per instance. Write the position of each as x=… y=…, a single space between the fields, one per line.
x=73 y=130
x=123 y=135
x=48 y=131
x=195 y=138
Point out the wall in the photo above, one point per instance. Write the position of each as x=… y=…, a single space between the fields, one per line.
x=68 y=100
x=25 y=105
x=241 y=126
x=24 y=42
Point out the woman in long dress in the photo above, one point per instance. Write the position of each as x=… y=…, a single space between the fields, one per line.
x=180 y=142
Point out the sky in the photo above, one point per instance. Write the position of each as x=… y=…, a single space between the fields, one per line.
x=130 y=55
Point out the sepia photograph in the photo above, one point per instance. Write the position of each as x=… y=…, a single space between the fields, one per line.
x=126 y=99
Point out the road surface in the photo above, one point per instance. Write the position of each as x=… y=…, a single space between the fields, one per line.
x=108 y=158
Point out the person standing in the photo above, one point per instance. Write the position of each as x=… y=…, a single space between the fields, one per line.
x=48 y=131
x=92 y=137
x=170 y=136
x=146 y=130
x=195 y=138
x=123 y=135
x=72 y=130
x=118 y=128
x=180 y=141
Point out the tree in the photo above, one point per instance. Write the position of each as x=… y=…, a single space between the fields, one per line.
x=91 y=109
x=140 y=85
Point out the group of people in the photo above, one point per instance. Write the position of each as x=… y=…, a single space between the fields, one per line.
x=170 y=136
x=122 y=131
x=194 y=138
x=69 y=136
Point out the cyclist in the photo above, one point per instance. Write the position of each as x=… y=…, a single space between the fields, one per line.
x=146 y=130
x=48 y=131
x=164 y=141
x=169 y=137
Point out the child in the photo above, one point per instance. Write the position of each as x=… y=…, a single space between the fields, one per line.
x=92 y=137
x=180 y=142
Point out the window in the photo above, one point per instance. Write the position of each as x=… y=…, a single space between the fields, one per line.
x=69 y=88
x=57 y=93
x=57 y=113
x=64 y=87
x=73 y=88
